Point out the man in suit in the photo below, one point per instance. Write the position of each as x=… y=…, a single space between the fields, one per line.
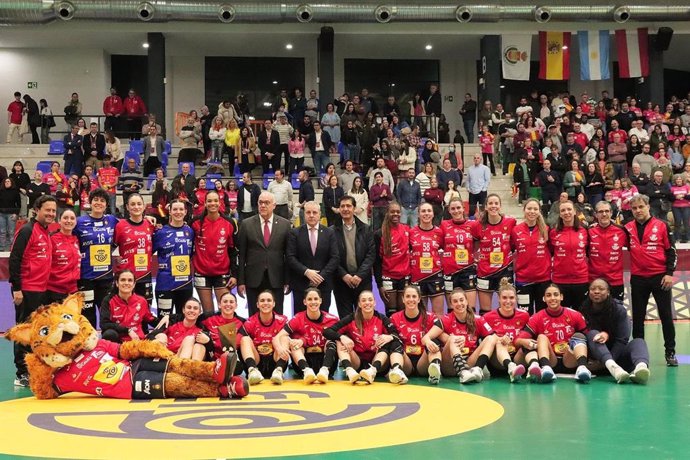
x=357 y=253
x=262 y=241
x=312 y=257
x=247 y=197
x=153 y=151
x=73 y=152
x=190 y=181
x=306 y=192
x=269 y=144
x=93 y=146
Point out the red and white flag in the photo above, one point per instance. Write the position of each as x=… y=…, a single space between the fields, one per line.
x=633 y=53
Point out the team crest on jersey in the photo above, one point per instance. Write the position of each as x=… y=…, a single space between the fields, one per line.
x=222 y=231
x=653 y=238
x=101 y=255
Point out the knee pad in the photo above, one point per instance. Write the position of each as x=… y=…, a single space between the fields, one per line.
x=331 y=347
x=394 y=346
x=578 y=338
x=111 y=335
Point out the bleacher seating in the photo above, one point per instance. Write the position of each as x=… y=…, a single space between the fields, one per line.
x=56 y=148
x=44 y=166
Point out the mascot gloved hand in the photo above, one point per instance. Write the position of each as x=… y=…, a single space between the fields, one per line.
x=67 y=355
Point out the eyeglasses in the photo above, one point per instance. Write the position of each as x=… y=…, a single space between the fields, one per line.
x=603 y=211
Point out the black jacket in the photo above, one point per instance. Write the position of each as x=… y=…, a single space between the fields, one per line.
x=264 y=146
x=365 y=253
x=254 y=191
x=10 y=202
x=306 y=192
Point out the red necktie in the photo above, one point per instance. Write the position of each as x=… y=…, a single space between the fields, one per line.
x=267 y=233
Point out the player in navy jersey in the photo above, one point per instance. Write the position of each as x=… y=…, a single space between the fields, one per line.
x=459 y=267
x=554 y=340
x=366 y=342
x=426 y=271
x=96 y=234
x=215 y=255
x=227 y=307
x=184 y=334
x=303 y=338
x=259 y=349
x=174 y=245
x=412 y=324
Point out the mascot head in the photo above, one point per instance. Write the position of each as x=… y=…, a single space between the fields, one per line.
x=56 y=333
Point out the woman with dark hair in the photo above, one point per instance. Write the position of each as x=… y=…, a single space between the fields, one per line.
x=10 y=204
x=22 y=181
x=33 y=117
x=418 y=110
x=331 y=200
x=83 y=191
x=595 y=184
x=184 y=334
x=47 y=121
x=426 y=270
x=226 y=315
x=392 y=266
x=64 y=269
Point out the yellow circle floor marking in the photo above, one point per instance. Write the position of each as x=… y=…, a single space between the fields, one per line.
x=292 y=419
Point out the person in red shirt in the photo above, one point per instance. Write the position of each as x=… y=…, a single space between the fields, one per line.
x=366 y=341
x=199 y=198
x=568 y=242
x=124 y=315
x=459 y=268
x=112 y=109
x=108 y=176
x=532 y=263
x=135 y=110
x=303 y=338
x=392 y=265
x=259 y=349
x=412 y=324
x=15 y=111
x=227 y=306
x=55 y=179
x=495 y=260
x=606 y=243
x=554 y=340
x=426 y=271
x=65 y=270
x=184 y=334
x=468 y=341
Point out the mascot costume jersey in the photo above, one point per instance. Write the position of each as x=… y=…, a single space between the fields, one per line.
x=67 y=355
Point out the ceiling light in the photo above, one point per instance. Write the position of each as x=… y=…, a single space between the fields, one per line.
x=145 y=45
x=428 y=47
x=288 y=46
x=275 y=82
x=565 y=47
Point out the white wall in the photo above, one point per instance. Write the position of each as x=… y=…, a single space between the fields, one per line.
x=184 y=89
x=58 y=74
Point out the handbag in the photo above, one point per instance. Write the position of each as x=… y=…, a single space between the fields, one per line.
x=24 y=126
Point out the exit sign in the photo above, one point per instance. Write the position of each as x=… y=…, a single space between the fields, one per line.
x=31 y=85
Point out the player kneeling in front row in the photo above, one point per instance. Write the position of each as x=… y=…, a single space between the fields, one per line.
x=608 y=336
x=366 y=340
x=554 y=338
x=260 y=356
x=184 y=334
x=468 y=341
x=223 y=326
x=303 y=338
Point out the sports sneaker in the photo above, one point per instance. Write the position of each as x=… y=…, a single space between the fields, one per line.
x=478 y=374
x=254 y=376
x=225 y=367
x=583 y=374
x=397 y=376
x=619 y=374
x=640 y=374
x=671 y=360
x=368 y=374
x=434 y=373
x=486 y=375
x=309 y=376
x=352 y=375
x=236 y=388
x=467 y=377
x=534 y=373
x=277 y=376
x=322 y=376
x=547 y=375
x=21 y=381
x=516 y=371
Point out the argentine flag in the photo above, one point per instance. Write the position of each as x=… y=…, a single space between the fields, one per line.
x=594 y=54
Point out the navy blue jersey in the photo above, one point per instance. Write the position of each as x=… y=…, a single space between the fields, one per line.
x=174 y=248
x=96 y=246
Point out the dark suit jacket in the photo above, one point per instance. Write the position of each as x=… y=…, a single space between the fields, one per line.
x=100 y=145
x=300 y=258
x=364 y=250
x=160 y=146
x=275 y=141
x=254 y=191
x=255 y=258
x=325 y=141
x=190 y=183
x=72 y=146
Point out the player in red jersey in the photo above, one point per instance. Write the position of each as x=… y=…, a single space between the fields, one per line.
x=532 y=263
x=426 y=271
x=259 y=349
x=606 y=242
x=495 y=259
x=468 y=341
x=366 y=341
x=568 y=241
x=303 y=338
x=133 y=237
x=65 y=268
x=214 y=258
x=412 y=324
x=459 y=269
x=226 y=315
x=184 y=334
x=555 y=338
x=507 y=322
x=392 y=266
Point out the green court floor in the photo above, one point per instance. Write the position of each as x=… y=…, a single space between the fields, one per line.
x=562 y=420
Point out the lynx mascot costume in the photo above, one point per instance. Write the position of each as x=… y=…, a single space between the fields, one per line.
x=67 y=355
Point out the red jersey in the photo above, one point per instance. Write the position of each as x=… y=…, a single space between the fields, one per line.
x=458 y=245
x=113 y=105
x=569 y=248
x=397 y=264
x=177 y=332
x=16 y=110
x=200 y=197
x=98 y=372
x=365 y=341
x=532 y=255
x=135 y=107
x=510 y=326
x=213 y=246
x=136 y=247
x=30 y=256
x=559 y=327
x=212 y=323
x=262 y=334
x=648 y=256
x=55 y=181
x=130 y=313
x=411 y=331
x=107 y=178
x=65 y=269
x=451 y=325
x=606 y=253
x=310 y=331
x=425 y=258
x=494 y=246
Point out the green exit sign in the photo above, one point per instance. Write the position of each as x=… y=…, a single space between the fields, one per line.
x=31 y=85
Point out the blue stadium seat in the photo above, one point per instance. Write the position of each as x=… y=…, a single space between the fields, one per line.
x=294 y=182
x=236 y=172
x=135 y=156
x=191 y=167
x=210 y=181
x=268 y=178
x=136 y=146
x=150 y=181
x=44 y=166
x=56 y=148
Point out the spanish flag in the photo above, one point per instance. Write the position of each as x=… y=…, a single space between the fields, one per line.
x=554 y=55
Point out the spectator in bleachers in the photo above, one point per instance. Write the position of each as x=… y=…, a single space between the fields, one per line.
x=15 y=112
x=306 y=192
x=231 y=195
x=331 y=200
x=226 y=110
x=151 y=123
x=350 y=143
x=83 y=129
x=659 y=193
x=154 y=145
x=434 y=196
x=135 y=111
x=73 y=151
x=73 y=110
x=205 y=121
x=47 y=121
x=447 y=172
x=664 y=165
x=232 y=143
x=468 y=112
x=296 y=147
x=216 y=134
x=68 y=195
x=55 y=179
x=10 y=204
x=178 y=191
x=297 y=105
x=348 y=176
x=22 y=181
x=114 y=149
x=112 y=109
x=93 y=146
x=313 y=106
x=130 y=181
x=269 y=145
x=198 y=199
x=385 y=172
x=83 y=189
x=33 y=117
x=319 y=145
x=36 y=189
x=281 y=100
x=594 y=187
x=381 y=196
x=190 y=135
x=433 y=109
x=282 y=193
x=248 y=197
x=188 y=178
x=108 y=176
x=409 y=197
x=361 y=197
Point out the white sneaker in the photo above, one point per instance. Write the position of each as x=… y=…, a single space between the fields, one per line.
x=486 y=375
x=322 y=376
x=352 y=375
x=515 y=372
x=478 y=374
x=640 y=374
x=254 y=376
x=277 y=376
x=368 y=374
x=309 y=376
x=21 y=381
x=547 y=374
x=467 y=377
x=434 y=373
x=619 y=374
x=583 y=374
x=397 y=376
x=534 y=373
